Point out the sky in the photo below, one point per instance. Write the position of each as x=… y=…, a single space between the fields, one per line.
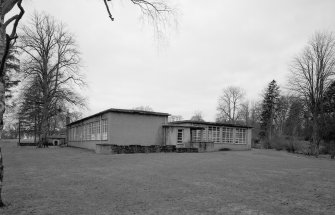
x=216 y=44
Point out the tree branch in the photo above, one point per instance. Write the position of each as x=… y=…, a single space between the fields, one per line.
x=12 y=36
x=108 y=11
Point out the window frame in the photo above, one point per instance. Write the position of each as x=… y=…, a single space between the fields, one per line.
x=180 y=138
x=227 y=135
x=240 y=136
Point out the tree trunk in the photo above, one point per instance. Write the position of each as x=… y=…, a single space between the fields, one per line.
x=5 y=7
x=315 y=136
x=1 y=179
x=2 y=111
x=2 y=94
x=44 y=126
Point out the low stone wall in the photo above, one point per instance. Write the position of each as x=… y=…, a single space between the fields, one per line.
x=212 y=147
x=186 y=147
x=204 y=146
x=201 y=146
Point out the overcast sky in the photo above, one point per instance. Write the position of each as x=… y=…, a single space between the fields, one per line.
x=218 y=43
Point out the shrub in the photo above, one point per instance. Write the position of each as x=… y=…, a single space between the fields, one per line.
x=278 y=143
x=290 y=146
x=294 y=145
x=298 y=146
x=255 y=143
x=327 y=147
x=266 y=144
x=224 y=149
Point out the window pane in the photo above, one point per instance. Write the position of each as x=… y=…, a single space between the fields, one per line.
x=180 y=136
x=104 y=129
x=240 y=136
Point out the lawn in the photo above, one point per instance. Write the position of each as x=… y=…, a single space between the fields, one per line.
x=76 y=181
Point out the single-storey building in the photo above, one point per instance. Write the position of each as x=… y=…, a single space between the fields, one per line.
x=119 y=127
x=56 y=140
x=222 y=135
x=145 y=128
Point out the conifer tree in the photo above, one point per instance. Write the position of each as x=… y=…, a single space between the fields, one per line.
x=269 y=109
x=12 y=70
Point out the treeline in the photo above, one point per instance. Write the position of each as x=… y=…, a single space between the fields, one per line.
x=305 y=112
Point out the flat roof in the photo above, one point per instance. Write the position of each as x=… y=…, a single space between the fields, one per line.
x=209 y=123
x=126 y=111
x=184 y=126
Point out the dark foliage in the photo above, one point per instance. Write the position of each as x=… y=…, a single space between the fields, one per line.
x=12 y=70
x=269 y=109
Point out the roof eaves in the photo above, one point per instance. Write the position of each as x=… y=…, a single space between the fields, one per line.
x=140 y=112
x=211 y=123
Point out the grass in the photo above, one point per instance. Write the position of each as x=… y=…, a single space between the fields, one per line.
x=76 y=181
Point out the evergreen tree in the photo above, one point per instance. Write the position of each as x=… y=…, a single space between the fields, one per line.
x=12 y=69
x=269 y=110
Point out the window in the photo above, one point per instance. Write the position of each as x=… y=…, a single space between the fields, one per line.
x=210 y=133
x=216 y=134
x=90 y=131
x=84 y=132
x=197 y=135
x=94 y=130
x=104 y=129
x=75 y=134
x=180 y=135
x=70 y=134
x=88 y=134
x=194 y=136
x=227 y=135
x=79 y=133
x=240 y=136
x=98 y=137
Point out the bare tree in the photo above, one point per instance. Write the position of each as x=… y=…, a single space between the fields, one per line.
x=50 y=67
x=197 y=116
x=230 y=103
x=174 y=118
x=295 y=117
x=244 y=112
x=255 y=113
x=282 y=114
x=144 y=108
x=311 y=75
x=157 y=11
